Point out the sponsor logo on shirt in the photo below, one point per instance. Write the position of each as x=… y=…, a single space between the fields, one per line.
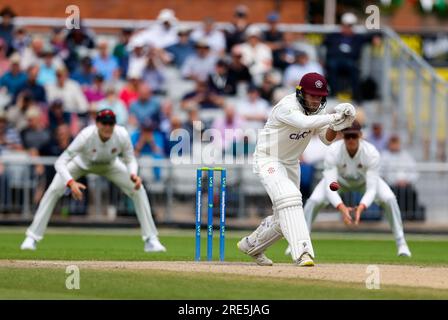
x=299 y=135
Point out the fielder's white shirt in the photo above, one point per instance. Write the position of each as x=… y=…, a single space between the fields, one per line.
x=289 y=130
x=88 y=150
x=352 y=173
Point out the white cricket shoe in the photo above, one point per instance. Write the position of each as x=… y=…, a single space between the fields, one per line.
x=260 y=258
x=29 y=244
x=305 y=260
x=403 y=250
x=154 y=245
x=288 y=251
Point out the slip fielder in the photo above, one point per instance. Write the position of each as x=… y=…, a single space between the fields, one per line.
x=96 y=150
x=354 y=163
x=286 y=134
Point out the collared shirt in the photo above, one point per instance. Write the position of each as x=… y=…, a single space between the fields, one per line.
x=88 y=150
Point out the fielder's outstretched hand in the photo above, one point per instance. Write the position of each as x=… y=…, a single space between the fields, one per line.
x=345 y=211
x=77 y=188
x=359 y=210
x=137 y=181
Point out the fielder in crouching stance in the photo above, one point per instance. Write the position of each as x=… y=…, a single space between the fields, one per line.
x=286 y=134
x=354 y=164
x=96 y=150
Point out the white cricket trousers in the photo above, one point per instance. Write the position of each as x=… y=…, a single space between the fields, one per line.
x=118 y=174
x=384 y=197
x=282 y=183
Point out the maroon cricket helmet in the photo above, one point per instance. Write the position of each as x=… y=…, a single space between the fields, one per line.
x=314 y=83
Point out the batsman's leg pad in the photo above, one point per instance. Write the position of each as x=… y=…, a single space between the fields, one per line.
x=267 y=233
x=293 y=225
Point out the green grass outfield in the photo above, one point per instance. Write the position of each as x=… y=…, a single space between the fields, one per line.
x=126 y=245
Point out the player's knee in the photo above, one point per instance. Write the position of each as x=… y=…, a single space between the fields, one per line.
x=287 y=200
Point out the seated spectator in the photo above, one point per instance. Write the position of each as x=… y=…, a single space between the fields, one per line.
x=32 y=55
x=230 y=123
x=85 y=73
x=342 y=58
x=238 y=71
x=111 y=101
x=9 y=141
x=153 y=74
x=253 y=110
x=145 y=109
x=273 y=37
x=166 y=113
x=208 y=32
x=219 y=80
x=35 y=135
x=32 y=86
x=285 y=56
x=14 y=79
x=17 y=113
x=7 y=27
x=377 y=137
x=69 y=91
x=236 y=34
x=95 y=92
x=129 y=93
x=182 y=49
x=400 y=172
x=47 y=70
x=159 y=35
x=149 y=142
x=301 y=66
x=105 y=63
x=256 y=55
x=57 y=116
x=9 y=137
x=79 y=41
x=198 y=66
x=57 y=43
x=60 y=140
x=202 y=98
x=137 y=60
x=5 y=63
x=268 y=87
x=120 y=51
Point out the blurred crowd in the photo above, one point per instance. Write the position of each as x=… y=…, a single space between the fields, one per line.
x=160 y=78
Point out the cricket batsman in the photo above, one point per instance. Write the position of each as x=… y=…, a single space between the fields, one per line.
x=283 y=139
x=354 y=163
x=104 y=149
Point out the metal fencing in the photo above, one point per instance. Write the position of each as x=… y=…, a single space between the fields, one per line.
x=171 y=190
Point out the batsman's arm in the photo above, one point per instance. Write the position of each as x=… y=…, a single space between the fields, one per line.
x=72 y=150
x=295 y=118
x=327 y=135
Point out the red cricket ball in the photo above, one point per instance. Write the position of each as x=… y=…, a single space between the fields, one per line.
x=334 y=186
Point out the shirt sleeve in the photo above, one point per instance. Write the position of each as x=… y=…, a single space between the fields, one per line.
x=323 y=136
x=372 y=176
x=296 y=118
x=128 y=155
x=72 y=151
x=331 y=175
